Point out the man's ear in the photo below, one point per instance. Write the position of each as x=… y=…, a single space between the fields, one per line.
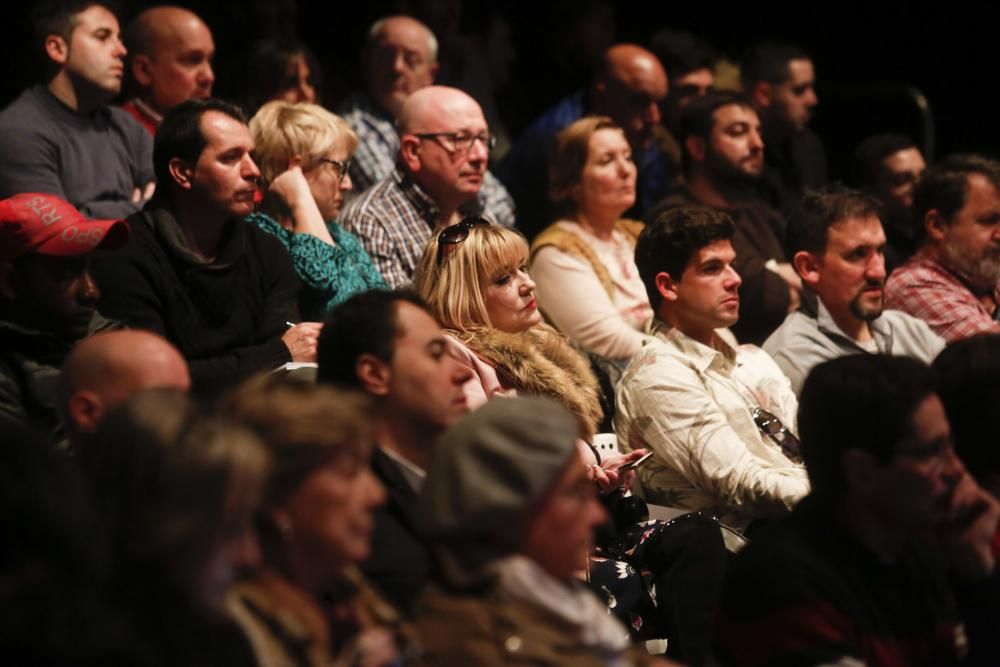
x=182 y=172
x=860 y=472
x=85 y=411
x=807 y=265
x=666 y=286
x=935 y=225
x=141 y=70
x=57 y=49
x=695 y=148
x=409 y=152
x=762 y=94
x=8 y=281
x=374 y=374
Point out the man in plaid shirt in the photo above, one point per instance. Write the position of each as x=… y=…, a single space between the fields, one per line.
x=952 y=282
x=400 y=57
x=443 y=152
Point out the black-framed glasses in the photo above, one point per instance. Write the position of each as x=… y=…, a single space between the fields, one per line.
x=460 y=142
x=341 y=167
x=772 y=427
x=457 y=233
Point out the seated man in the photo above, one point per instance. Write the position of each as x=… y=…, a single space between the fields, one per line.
x=856 y=575
x=48 y=300
x=720 y=419
x=837 y=243
x=952 y=282
x=169 y=62
x=400 y=58
x=443 y=152
x=105 y=370
x=60 y=136
x=887 y=167
x=222 y=291
x=723 y=162
x=390 y=346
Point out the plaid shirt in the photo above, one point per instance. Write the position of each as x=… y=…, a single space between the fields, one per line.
x=378 y=145
x=394 y=220
x=924 y=288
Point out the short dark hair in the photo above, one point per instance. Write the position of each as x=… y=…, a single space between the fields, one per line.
x=822 y=208
x=681 y=52
x=58 y=17
x=866 y=162
x=861 y=401
x=698 y=117
x=943 y=186
x=180 y=135
x=269 y=60
x=768 y=62
x=671 y=240
x=969 y=371
x=366 y=323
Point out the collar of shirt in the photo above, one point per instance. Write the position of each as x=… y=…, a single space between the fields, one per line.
x=412 y=473
x=426 y=207
x=721 y=355
x=932 y=264
x=881 y=331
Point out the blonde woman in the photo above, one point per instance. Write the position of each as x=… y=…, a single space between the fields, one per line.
x=588 y=284
x=303 y=152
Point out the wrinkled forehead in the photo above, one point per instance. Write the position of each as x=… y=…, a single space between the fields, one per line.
x=450 y=113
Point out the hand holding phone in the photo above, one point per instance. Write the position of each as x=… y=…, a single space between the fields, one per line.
x=635 y=464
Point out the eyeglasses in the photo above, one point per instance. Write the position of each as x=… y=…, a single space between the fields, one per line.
x=772 y=427
x=340 y=167
x=460 y=142
x=457 y=233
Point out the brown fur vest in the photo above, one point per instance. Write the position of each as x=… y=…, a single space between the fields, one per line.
x=541 y=361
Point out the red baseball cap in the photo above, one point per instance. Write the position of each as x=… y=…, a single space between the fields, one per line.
x=47 y=225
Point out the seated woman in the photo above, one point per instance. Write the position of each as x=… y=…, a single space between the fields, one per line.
x=509 y=540
x=588 y=284
x=308 y=604
x=283 y=70
x=474 y=276
x=303 y=152
x=176 y=492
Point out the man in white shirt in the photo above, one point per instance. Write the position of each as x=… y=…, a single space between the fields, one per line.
x=719 y=418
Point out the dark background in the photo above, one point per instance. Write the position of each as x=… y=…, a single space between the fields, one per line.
x=862 y=52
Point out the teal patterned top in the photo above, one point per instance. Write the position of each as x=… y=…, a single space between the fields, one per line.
x=329 y=274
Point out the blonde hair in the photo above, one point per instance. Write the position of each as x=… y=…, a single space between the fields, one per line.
x=569 y=157
x=454 y=288
x=282 y=130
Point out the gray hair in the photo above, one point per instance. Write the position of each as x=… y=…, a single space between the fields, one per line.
x=432 y=43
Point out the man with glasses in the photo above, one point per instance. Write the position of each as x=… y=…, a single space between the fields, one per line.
x=443 y=152
x=838 y=248
x=400 y=58
x=719 y=418
x=856 y=575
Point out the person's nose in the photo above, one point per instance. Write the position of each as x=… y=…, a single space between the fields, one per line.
x=756 y=140
x=479 y=151
x=244 y=550
x=119 y=51
x=812 y=99
x=249 y=170
x=527 y=285
x=375 y=494
x=399 y=63
x=459 y=372
x=733 y=279
x=596 y=515
x=346 y=183
x=88 y=293
x=207 y=75
x=875 y=271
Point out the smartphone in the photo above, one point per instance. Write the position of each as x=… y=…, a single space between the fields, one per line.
x=635 y=464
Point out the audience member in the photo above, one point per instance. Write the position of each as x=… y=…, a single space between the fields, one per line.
x=308 y=600
x=170 y=61
x=856 y=574
x=177 y=492
x=509 y=542
x=689 y=62
x=951 y=283
x=723 y=163
x=285 y=70
x=105 y=370
x=60 y=136
x=390 y=346
x=400 y=58
x=304 y=151
x=720 y=419
x=588 y=285
x=48 y=300
x=628 y=87
x=780 y=80
x=887 y=167
x=222 y=291
x=443 y=152
x=837 y=245
x=969 y=372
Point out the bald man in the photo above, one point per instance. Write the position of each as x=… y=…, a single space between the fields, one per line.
x=105 y=370
x=441 y=164
x=400 y=58
x=628 y=87
x=170 y=61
